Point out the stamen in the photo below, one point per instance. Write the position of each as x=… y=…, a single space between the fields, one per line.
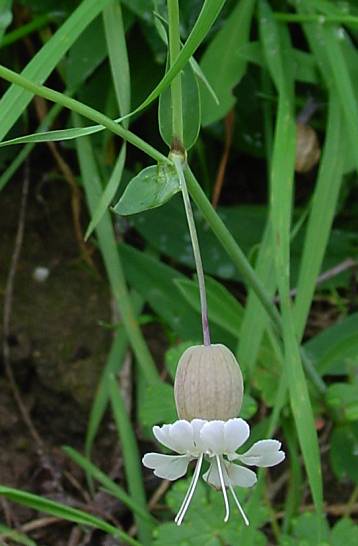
x=189 y=494
x=238 y=504
x=227 y=509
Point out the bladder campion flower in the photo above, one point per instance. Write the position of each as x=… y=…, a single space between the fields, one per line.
x=217 y=442
x=208 y=394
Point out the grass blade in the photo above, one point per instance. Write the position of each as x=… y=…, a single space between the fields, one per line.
x=16 y=99
x=64 y=512
x=274 y=42
x=108 y=246
x=16 y=536
x=115 y=489
x=131 y=457
x=322 y=213
x=83 y=110
x=113 y=365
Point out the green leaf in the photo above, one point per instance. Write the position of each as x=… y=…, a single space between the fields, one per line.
x=222 y=65
x=345 y=532
x=157 y=405
x=204 y=521
x=305 y=529
x=190 y=106
x=304 y=64
x=344 y=398
x=151 y=188
x=64 y=512
x=343 y=453
x=78 y=64
x=335 y=350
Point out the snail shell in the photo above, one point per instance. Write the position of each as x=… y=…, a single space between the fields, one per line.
x=208 y=384
x=308 y=150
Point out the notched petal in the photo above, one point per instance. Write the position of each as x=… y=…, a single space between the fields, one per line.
x=212 y=437
x=236 y=432
x=168 y=467
x=264 y=453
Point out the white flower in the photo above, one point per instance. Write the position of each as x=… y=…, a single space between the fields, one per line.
x=217 y=442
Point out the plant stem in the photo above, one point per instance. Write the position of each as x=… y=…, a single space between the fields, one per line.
x=178 y=160
x=175 y=86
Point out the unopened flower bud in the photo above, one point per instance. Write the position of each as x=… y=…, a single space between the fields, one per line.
x=208 y=384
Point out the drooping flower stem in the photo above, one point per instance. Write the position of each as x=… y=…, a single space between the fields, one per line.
x=177 y=155
x=178 y=162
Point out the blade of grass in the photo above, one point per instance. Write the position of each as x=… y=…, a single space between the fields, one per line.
x=36 y=23
x=115 y=489
x=45 y=124
x=206 y=19
x=255 y=322
x=276 y=41
x=64 y=512
x=16 y=99
x=83 y=110
x=26 y=150
x=118 y=58
x=131 y=457
x=322 y=212
x=16 y=536
x=113 y=365
x=108 y=246
x=324 y=41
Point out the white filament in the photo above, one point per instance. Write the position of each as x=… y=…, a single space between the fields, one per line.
x=189 y=494
x=238 y=504
x=227 y=509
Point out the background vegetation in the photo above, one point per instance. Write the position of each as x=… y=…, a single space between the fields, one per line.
x=92 y=330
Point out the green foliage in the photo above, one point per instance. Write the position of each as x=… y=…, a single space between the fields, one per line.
x=151 y=188
x=203 y=530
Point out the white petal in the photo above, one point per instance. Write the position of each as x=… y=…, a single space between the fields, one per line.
x=163 y=436
x=236 y=432
x=212 y=477
x=239 y=475
x=197 y=425
x=263 y=453
x=212 y=437
x=177 y=437
x=182 y=436
x=168 y=467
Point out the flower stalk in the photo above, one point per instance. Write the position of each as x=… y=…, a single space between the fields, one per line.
x=178 y=162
